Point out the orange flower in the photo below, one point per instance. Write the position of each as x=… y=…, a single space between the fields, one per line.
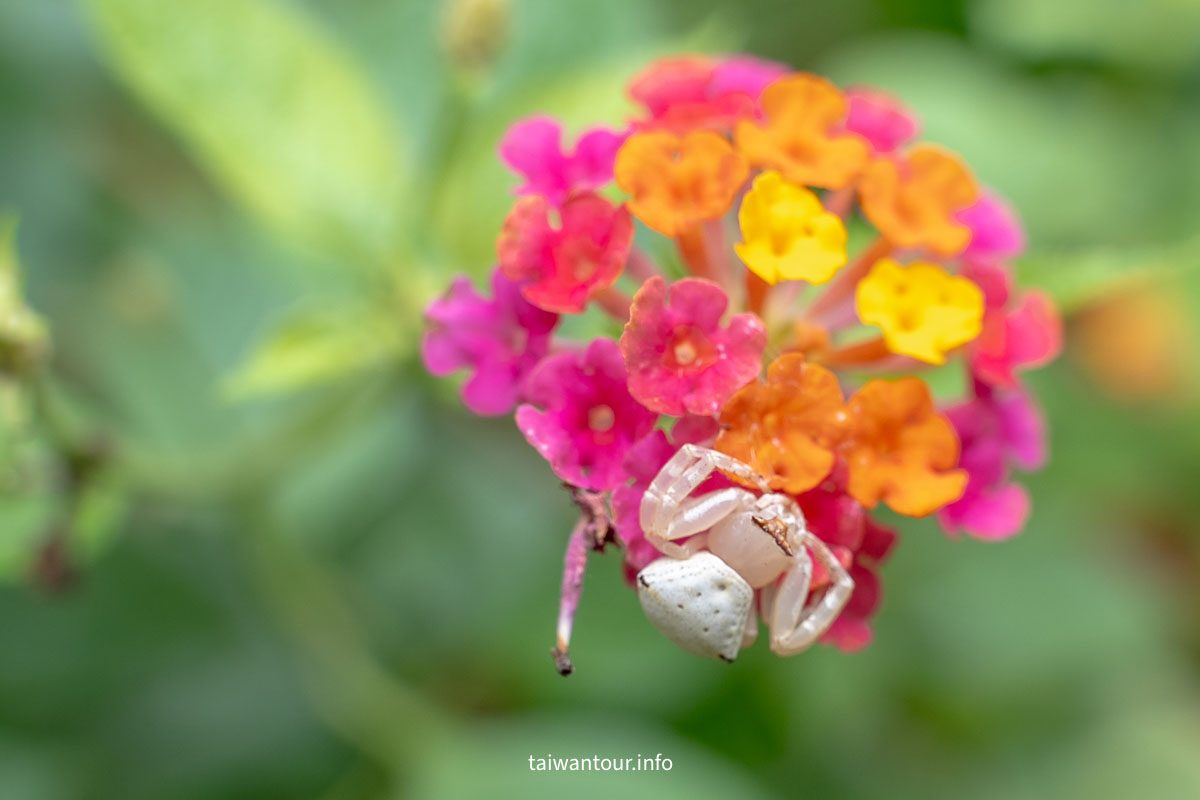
x=802 y=138
x=900 y=450
x=678 y=181
x=913 y=200
x=788 y=427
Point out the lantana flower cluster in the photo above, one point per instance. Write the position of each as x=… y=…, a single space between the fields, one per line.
x=784 y=262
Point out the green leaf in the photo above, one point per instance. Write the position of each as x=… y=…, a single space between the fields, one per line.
x=317 y=346
x=1075 y=279
x=1155 y=34
x=25 y=520
x=277 y=113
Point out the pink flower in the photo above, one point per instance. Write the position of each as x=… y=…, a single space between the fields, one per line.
x=589 y=420
x=678 y=357
x=568 y=263
x=645 y=459
x=1020 y=333
x=695 y=92
x=533 y=149
x=744 y=75
x=861 y=544
x=997 y=432
x=670 y=82
x=499 y=340
x=996 y=233
x=880 y=119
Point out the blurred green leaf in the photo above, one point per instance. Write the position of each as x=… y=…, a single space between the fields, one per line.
x=1049 y=145
x=24 y=521
x=98 y=516
x=275 y=111
x=315 y=346
x=1075 y=279
x=1159 y=34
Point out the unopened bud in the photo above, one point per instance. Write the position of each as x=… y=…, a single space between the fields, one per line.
x=474 y=32
x=24 y=339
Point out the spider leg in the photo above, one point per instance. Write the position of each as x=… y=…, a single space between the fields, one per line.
x=688 y=468
x=659 y=495
x=794 y=625
x=699 y=514
x=751 y=632
x=730 y=465
x=668 y=512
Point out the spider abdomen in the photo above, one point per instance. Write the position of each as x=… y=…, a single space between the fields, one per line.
x=699 y=603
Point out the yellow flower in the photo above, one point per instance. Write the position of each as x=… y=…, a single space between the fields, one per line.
x=923 y=311
x=788 y=233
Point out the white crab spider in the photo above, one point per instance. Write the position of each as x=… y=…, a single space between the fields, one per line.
x=701 y=594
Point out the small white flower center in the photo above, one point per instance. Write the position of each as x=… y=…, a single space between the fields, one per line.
x=685 y=352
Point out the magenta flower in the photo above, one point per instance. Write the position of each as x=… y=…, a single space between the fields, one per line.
x=996 y=233
x=533 y=149
x=645 y=459
x=588 y=419
x=861 y=544
x=499 y=340
x=744 y=75
x=679 y=358
x=1018 y=333
x=998 y=432
x=564 y=264
x=880 y=119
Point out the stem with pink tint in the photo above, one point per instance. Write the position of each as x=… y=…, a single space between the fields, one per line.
x=574 y=565
x=694 y=252
x=839 y=201
x=719 y=262
x=640 y=266
x=777 y=310
x=756 y=293
x=840 y=318
x=702 y=248
x=858 y=354
x=874 y=355
x=614 y=302
x=841 y=290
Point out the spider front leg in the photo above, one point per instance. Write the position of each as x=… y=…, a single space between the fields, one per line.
x=795 y=626
x=668 y=511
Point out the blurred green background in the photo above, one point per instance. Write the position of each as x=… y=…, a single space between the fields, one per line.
x=250 y=550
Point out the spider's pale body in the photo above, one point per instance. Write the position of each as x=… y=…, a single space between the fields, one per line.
x=701 y=593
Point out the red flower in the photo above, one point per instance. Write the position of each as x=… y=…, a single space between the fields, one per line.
x=862 y=545
x=564 y=265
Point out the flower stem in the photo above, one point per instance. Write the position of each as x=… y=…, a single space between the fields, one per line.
x=614 y=302
x=640 y=266
x=756 y=293
x=858 y=354
x=720 y=266
x=842 y=288
x=574 y=565
x=839 y=201
x=694 y=252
